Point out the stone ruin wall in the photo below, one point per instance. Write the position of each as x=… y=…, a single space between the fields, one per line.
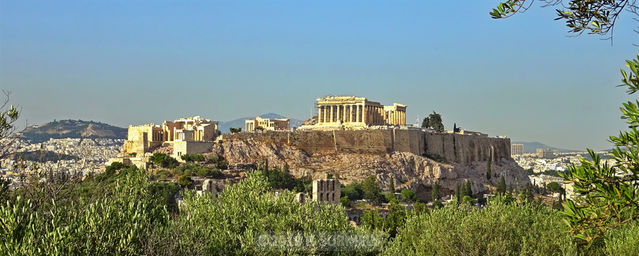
x=451 y=148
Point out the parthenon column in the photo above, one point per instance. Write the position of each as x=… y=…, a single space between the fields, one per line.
x=403 y=119
x=350 y=113
x=323 y=114
x=331 y=114
x=319 y=114
x=364 y=113
x=357 y=117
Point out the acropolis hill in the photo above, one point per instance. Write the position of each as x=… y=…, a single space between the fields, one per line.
x=353 y=138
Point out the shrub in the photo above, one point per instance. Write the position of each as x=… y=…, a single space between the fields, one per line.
x=233 y=223
x=353 y=191
x=185 y=181
x=120 y=222
x=164 y=160
x=115 y=166
x=345 y=201
x=623 y=240
x=283 y=180
x=371 y=190
x=408 y=195
x=199 y=170
x=163 y=174
x=498 y=229
x=193 y=158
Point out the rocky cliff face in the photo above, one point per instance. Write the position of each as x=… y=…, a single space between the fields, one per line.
x=409 y=170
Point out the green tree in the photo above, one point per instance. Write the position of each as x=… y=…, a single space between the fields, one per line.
x=501 y=186
x=345 y=201
x=434 y=193
x=433 y=121
x=190 y=158
x=391 y=185
x=408 y=195
x=372 y=220
x=235 y=130
x=498 y=229
x=371 y=190
x=458 y=194
x=395 y=219
x=554 y=187
x=353 y=191
x=185 y=181
x=608 y=195
x=8 y=116
x=466 y=189
x=488 y=169
x=426 y=122
x=163 y=160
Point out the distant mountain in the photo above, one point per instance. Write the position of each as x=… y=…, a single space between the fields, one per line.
x=239 y=123
x=531 y=147
x=72 y=129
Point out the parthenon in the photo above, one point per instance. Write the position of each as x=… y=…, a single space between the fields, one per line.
x=351 y=111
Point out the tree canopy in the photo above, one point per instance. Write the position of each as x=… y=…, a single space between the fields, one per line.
x=433 y=121
x=607 y=195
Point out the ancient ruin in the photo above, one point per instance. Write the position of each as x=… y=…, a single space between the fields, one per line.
x=192 y=135
x=267 y=124
x=144 y=138
x=356 y=113
x=326 y=190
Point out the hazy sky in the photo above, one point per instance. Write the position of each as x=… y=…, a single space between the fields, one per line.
x=129 y=62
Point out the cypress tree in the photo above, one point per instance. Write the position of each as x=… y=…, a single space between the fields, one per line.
x=391 y=186
x=434 y=194
x=458 y=194
x=466 y=189
x=488 y=171
x=501 y=186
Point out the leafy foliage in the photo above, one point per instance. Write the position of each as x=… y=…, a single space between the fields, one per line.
x=232 y=224
x=371 y=190
x=408 y=195
x=554 y=187
x=501 y=186
x=283 y=180
x=434 y=193
x=353 y=191
x=498 y=229
x=199 y=170
x=609 y=194
x=117 y=223
x=185 y=181
x=433 y=121
x=594 y=16
x=163 y=160
x=8 y=116
x=193 y=158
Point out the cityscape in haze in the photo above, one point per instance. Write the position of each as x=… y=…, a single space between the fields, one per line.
x=319 y=127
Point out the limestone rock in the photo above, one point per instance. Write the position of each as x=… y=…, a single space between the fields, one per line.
x=409 y=170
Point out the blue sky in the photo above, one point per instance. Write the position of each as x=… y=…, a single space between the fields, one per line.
x=129 y=62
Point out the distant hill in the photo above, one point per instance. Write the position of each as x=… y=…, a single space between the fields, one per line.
x=72 y=129
x=531 y=147
x=239 y=123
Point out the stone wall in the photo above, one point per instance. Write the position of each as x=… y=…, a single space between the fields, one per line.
x=450 y=148
x=181 y=148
